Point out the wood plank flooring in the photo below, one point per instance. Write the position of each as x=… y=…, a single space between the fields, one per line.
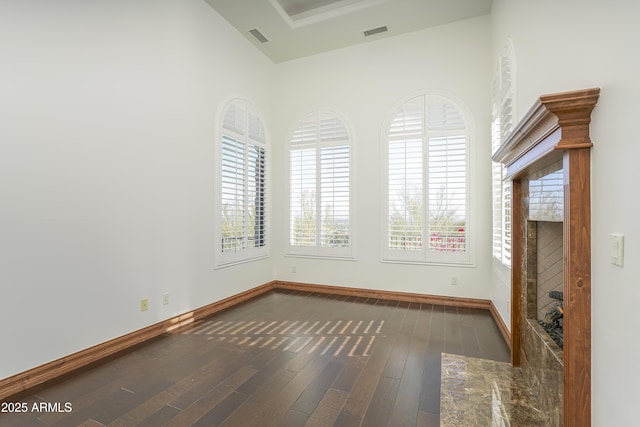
x=286 y=358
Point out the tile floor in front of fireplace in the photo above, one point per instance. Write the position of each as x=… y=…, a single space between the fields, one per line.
x=481 y=392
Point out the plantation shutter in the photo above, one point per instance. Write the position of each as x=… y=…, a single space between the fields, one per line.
x=507 y=123
x=302 y=182
x=447 y=177
x=502 y=124
x=319 y=186
x=233 y=197
x=256 y=196
x=506 y=98
x=496 y=171
x=506 y=223
x=334 y=181
x=243 y=180
x=427 y=182
x=405 y=177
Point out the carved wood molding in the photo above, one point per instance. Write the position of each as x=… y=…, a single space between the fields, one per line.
x=554 y=123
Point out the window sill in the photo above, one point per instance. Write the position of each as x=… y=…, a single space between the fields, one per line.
x=240 y=261
x=317 y=256
x=429 y=263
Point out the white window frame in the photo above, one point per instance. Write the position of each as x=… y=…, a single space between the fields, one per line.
x=313 y=142
x=423 y=255
x=249 y=131
x=503 y=116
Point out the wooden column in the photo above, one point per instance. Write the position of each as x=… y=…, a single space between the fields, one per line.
x=577 y=288
x=518 y=220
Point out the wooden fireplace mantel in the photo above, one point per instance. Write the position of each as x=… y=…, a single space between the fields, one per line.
x=557 y=128
x=554 y=123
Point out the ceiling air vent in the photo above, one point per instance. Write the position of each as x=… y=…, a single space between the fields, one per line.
x=373 y=31
x=258 y=35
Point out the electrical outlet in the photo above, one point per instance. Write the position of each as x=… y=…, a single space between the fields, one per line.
x=294 y=269
x=165 y=299
x=454 y=280
x=144 y=304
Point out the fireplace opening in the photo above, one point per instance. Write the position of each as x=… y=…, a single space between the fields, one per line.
x=546 y=215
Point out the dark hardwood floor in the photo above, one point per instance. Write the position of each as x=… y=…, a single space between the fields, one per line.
x=283 y=359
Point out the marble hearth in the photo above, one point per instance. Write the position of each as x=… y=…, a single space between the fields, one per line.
x=480 y=392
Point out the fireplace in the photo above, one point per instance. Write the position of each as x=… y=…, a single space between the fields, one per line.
x=548 y=163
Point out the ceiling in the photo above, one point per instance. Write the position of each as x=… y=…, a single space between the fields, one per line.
x=298 y=28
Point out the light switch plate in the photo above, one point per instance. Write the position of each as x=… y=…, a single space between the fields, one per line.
x=617 y=249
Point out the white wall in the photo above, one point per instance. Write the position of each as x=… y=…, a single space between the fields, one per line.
x=362 y=84
x=107 y=117
x=576 y=44
x=501 y=291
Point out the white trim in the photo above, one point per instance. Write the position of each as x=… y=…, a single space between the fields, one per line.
x=330 y=257
x=430 y=263
x=502 y=271
x=323 y=13
x=240 y=261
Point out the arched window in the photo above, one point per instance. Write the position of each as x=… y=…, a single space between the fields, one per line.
x=502 y=122
x=426 y=150
x=242 y=231
x=320 y=218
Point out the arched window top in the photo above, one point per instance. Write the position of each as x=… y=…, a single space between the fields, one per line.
x=426 y=111
x=324 y=127
x=242 y=118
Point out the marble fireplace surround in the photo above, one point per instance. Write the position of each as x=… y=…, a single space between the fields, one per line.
x=556 y=128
